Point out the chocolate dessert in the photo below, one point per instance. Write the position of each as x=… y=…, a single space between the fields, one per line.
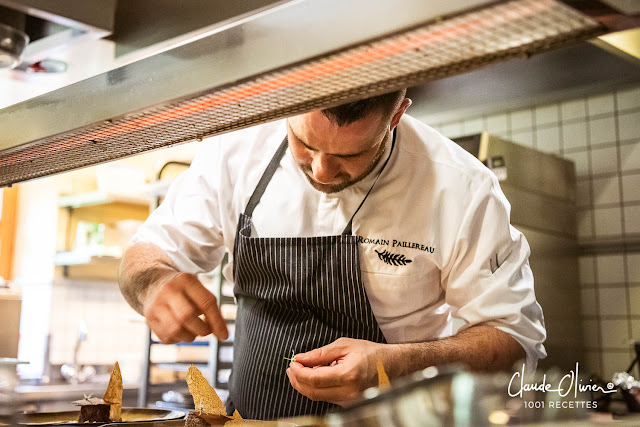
x=93 y=410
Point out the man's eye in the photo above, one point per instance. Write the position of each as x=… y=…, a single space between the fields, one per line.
x=306 y=146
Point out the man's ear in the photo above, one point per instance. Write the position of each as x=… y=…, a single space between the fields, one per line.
x=399 y=112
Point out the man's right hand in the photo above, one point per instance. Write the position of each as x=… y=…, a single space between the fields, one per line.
x=174 y=311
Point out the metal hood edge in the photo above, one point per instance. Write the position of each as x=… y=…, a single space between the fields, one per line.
x=295 y=57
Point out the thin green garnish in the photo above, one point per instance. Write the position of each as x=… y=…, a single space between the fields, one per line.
x=293 y=356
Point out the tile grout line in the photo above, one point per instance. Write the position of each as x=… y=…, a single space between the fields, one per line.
x=593 y=225
x=592 y=196
x=632 y=172
x=625 y=257
x=534 y=129
x=560 y=132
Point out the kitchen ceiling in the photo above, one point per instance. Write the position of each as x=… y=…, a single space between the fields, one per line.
x=277 y=62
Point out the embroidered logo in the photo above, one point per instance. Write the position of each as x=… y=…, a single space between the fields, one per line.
x=394 y=243
x=393 y=259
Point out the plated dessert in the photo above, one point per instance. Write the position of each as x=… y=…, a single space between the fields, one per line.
x=105 y=410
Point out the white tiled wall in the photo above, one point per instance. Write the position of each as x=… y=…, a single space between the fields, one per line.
x=601 y=134
x=115 y=332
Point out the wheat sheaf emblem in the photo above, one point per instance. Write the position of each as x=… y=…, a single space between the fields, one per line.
x=393 y=259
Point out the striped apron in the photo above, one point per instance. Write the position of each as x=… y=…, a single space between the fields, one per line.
x=294 y=295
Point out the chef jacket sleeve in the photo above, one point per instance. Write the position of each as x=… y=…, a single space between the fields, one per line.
x=488 y=278
x=187 y=224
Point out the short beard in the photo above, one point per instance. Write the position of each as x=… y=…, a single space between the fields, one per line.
x=329 y=189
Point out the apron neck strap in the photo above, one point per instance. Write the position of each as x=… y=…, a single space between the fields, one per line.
x=266 y=177
x=348 y=230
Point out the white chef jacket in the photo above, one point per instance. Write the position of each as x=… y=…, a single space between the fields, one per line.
x=430 y=231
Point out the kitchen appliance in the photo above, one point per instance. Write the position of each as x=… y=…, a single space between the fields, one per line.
x=10 y=308
x=8 y=381
x=288 y=59
x=541 y=189
x=12 y=44
x=52 y=25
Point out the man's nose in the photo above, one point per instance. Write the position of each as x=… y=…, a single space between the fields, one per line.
x=325 y=168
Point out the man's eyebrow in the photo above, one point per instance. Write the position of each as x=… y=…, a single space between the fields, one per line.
x=301 y=141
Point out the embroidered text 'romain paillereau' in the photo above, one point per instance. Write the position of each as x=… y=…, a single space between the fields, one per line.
x=395 y=243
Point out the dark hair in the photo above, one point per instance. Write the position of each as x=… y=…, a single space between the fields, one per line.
x=352 y=112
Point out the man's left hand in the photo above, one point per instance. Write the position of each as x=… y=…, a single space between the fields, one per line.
x=338 y=372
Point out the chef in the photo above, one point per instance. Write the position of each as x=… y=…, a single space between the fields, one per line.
x=356 y=233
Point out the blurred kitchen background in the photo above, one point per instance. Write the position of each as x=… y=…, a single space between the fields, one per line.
x=62 y=236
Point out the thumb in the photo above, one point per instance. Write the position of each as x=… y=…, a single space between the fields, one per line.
x=321 y=356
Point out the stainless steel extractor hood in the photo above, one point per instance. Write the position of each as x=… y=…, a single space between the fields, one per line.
x=291 y=58
x=53 y=24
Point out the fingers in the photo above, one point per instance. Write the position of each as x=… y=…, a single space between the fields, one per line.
x=174 y=313
x=321 y=376
x=335 y=373
x=186 y=314
x=207 y=305
x=167 y=328
x=323 y=355
x=341 y=394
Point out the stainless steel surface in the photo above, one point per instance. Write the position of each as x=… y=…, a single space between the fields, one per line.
x=454 y=397
x=10 y=313
x=539 y=212
x=149 y=24
x=569 y=72
x=535 y=171
x=54 y=24
x=540 y=187
x=255 y=71
x=627 y=6
x=95 y=14
x=44 y=66
x=73 y=372
x=12 y=44
x=145 y=372
x=554 y=262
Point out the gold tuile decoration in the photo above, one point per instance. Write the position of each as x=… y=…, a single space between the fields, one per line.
x=235 y=419
x=383 y=379
x=204 y=396
x=113 y=395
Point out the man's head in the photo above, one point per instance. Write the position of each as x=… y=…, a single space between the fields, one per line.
x=339 y=146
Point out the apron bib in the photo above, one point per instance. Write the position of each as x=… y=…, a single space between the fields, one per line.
x=294 y=295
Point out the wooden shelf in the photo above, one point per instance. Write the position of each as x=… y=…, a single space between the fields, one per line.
x=94 y=207
x=101 y=268
x=95 y=198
